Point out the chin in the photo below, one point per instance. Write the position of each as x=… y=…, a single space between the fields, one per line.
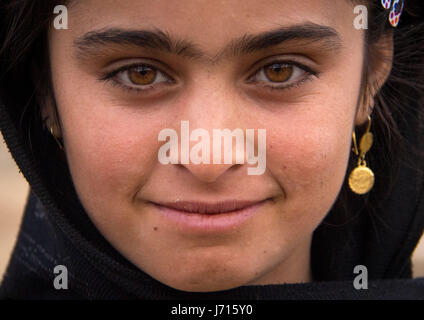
x=207 y=280
x=206 y=285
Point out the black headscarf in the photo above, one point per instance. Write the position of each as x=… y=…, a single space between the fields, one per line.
x=57 y=231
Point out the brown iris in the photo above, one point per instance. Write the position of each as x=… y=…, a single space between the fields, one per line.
x=142 y=75
x=278 y=72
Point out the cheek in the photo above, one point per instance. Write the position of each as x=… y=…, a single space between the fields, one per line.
x=109 y=154
x=309 y=162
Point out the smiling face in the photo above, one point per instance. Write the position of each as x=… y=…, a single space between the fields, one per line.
x=125 y=70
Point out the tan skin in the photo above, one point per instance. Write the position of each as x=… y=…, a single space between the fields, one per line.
x=110 y=132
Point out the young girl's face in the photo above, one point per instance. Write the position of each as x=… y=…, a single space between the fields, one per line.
x=125 y=70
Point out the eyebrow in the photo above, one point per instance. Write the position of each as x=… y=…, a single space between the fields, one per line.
x=93 y=42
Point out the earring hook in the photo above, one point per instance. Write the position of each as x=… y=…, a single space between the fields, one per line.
x=57 y=140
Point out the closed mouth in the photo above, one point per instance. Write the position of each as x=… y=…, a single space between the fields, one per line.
x=196 y=207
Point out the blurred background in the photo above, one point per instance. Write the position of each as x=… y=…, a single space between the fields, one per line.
x=14 y=190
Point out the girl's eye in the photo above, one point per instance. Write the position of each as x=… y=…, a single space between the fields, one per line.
x=137 y=77
x=281 y=75
x=278 y=72
x=142 y=75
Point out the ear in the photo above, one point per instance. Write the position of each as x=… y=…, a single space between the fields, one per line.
x=377 y=67
x=46 y=101
x=49 y=114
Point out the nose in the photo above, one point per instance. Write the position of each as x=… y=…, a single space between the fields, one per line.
x=209 y=173
x=209 y=154
x=205 y=154
x=212 y=121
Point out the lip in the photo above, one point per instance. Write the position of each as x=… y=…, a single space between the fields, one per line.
x=206 y=217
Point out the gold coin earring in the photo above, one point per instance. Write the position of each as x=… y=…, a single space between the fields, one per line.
x=361 y=179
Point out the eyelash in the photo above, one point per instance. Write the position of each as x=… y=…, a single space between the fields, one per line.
x=309 y=75
x=110 y=77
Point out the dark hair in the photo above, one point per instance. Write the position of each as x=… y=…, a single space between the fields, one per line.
x=397 y=114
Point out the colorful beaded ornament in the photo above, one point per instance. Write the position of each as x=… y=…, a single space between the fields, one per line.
x=396 y=9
